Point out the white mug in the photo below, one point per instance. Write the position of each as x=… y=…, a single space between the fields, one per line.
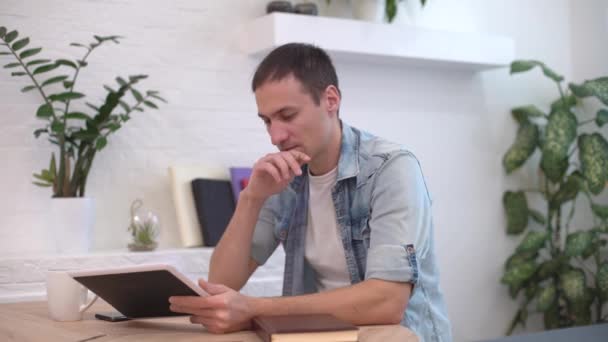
x=67 y=299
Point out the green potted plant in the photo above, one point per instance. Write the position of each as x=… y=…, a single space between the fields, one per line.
x=77 y=131
x=560 y=270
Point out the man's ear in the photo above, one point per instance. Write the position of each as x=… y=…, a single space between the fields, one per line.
x=332 y=98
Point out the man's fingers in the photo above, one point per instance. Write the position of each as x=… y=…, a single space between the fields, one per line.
x=272 y=170
x=293 y=164
x=279 y=161
x=192 y=303
x=302 y=157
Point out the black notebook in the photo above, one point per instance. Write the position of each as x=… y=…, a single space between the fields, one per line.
x=214 y=202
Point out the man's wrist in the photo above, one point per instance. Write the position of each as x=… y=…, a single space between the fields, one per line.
x=250 y=199
x=261 y=306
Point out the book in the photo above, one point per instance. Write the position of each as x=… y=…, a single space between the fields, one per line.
x=181 y=177
x=301 y=328
x=214 y=204
x=239 y=178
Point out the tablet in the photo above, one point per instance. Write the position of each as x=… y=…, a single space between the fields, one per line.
x=139 y=291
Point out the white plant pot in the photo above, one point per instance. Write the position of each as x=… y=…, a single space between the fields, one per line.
x=369 y=10
x=71 y=223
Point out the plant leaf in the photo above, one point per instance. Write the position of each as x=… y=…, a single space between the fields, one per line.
x=124 y=106
x=525 y=65
x=523 y=147
x=137 y=95
x=559 y=135
x=66 y=62
x=21 y=44
x=532 y=242
x=597 y=87
x=549 y=268
x=37 y=61
x=29 y=52
x=391 y=10
x=12 y=65
x=28 y=88
x=55 y=79
x=156 y=96
x=18 y=73
x=602 y=281
x=600 y=211
x=577 y=243
x=121 y=81
x=546 y=298
x=78 y=115
x=537 y=216
x=44 y=111
x=57 y=126
x=516 y=207
x=40 y=131
x=565 y=103
x=522 y=114
x=593 y=154
x=2 y=31
x=45 y=68
x=9 y=37
x=572 y=283
x=69 y=95
x=150 y=104
x=100 y=143
x=602 y=117
x=518 y=274
x=567 y=190
x=79 y=45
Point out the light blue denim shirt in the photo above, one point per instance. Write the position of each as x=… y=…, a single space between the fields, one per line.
x=384 y=215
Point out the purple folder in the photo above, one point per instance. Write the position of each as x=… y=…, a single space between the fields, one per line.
x=239 y=177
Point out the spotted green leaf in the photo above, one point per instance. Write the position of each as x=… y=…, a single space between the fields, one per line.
x=525 y=65
x=549 y=268
x=601 y=117
x=577 y=243
x=559 y=135
x=563 y=103
x=518 y=274
x=523 y=147
x=567 y=190
x=532 y=242
x=593 y=154
x=522 y=114
x=597 y=87
x=572 y=283
x=516 y=207
x=602 y=281
x=600 y=211
x=546 y=298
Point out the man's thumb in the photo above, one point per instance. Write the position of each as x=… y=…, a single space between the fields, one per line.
x=212 y=289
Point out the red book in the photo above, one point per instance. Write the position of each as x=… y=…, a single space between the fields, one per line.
x=301 y=328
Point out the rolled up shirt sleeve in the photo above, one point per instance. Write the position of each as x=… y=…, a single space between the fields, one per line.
x=264 y=241
x=400 y=220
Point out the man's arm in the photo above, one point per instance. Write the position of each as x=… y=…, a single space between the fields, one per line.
x=231 y=263
x=372 y=301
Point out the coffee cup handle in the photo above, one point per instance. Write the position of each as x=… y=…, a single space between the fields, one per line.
x=84 y=307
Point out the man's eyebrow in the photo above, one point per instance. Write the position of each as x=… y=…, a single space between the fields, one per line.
x=282 y=109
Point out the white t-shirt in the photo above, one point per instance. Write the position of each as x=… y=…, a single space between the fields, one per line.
x=324 y=250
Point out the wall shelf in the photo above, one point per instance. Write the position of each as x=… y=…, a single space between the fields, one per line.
x=379 y=43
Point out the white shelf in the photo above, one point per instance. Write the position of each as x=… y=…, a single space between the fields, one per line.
x=359 y=41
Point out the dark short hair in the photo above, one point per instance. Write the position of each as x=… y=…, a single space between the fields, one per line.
x=307 y=63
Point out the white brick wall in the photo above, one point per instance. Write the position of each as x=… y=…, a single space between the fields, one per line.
x=23 y=278
x=458 y=124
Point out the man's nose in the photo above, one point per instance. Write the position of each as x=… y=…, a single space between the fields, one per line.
x=278 y=134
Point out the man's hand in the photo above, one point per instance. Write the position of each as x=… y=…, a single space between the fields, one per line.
x=272 y=173
x=223 y=311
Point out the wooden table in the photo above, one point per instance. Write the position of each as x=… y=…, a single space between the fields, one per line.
x=29 y=321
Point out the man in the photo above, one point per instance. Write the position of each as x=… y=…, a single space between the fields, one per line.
x=351 y=211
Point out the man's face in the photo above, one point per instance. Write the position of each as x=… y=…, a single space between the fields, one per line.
x=292 y=118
